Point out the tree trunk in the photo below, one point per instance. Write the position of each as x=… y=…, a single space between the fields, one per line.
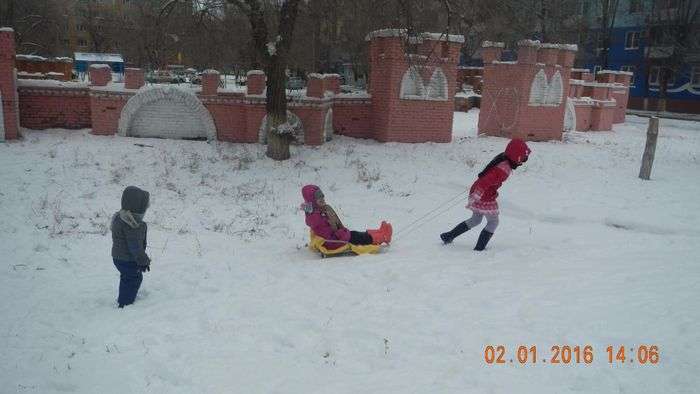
x=649 y=149
x=276 y=108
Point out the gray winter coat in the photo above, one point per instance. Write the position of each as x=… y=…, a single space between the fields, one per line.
x=129 y=231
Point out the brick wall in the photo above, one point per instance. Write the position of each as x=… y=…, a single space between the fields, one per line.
x=229 y=114
x=44 y=66
x=523 y=99
x=46 y=108
x=353 y=118
x=413 y=118
x=106 y=108
x=8 y=86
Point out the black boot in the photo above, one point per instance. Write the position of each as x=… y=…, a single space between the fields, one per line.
x=449 y=236
x=484 y=238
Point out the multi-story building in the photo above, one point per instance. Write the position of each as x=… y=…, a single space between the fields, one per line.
x=648 y=38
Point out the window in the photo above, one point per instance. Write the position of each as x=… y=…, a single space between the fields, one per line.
x=82 y=42
x=695 y=76
x=632 y=40
x=81 y=28
x=631 y=69
x=636 y=6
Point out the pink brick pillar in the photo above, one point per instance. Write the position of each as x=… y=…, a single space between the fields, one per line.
x=9 y=129
x=332 y=83
x=567 y=57
x=256 y=82
x=314 y=86
x=100 y=74
x=210 y=82
x=548 y=56
x=527 y=52
x=605 y=77
x=490 y=53
x=134 y=78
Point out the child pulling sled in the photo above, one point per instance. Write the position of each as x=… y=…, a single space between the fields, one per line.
x=483 y=193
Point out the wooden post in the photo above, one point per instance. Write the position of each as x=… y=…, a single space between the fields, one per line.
x=650 y=148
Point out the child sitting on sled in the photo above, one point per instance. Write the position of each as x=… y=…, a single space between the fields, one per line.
x=483 y=193
x=324 y=222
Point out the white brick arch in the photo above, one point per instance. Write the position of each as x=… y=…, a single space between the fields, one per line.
x=569 y=116
x=437 y=88
x=538 y=89
x=412 y=84
x=555 y=90
x=166 y=112
x=328 y=126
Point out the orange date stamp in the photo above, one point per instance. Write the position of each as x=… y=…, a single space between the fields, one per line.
x=571 y=355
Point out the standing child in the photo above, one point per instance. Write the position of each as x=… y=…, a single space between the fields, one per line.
x=483 y=193
x=129 y=233
x=325 y=223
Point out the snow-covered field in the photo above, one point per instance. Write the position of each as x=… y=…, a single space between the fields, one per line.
x=586 y=254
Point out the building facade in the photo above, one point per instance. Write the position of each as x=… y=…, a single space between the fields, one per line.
x=646 y=38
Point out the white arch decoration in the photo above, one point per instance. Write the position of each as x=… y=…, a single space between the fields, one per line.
x=412 y=84
x=169 y=95
x=437 y=88
x=538 y=89
x=569 y=116
x=328 y=126
x=294 y=126
x=555 y=91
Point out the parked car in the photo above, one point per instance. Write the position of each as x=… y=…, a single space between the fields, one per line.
x=162 y=76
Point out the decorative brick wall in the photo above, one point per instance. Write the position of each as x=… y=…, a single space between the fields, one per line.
x=412 y=94
x=105 y=110
x=620 y=91
x=526 y=98
x=9 y=102
x=60 y=69
x=353 y=117
x=46 y=107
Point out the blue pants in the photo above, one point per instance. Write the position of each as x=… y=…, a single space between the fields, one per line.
x=129 y=281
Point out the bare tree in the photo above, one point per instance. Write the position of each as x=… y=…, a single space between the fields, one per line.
x=608 y=15
x=272 y=49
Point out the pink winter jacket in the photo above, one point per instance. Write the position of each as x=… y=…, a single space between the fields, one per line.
x=318 y=222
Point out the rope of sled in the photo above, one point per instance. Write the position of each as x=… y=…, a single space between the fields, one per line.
x=443 y=208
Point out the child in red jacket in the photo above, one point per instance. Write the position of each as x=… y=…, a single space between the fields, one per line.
x=483 y=193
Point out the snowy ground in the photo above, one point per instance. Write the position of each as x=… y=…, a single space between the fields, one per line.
x=586 y=254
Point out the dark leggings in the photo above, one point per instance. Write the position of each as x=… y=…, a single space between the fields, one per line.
x=129 y=281
x=360 y=238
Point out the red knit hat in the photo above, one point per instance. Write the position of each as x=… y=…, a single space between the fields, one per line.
x=517 y=151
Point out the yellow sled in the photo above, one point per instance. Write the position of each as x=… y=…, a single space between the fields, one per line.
x=316 y=245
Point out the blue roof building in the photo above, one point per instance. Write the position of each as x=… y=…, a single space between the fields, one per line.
x=83 y=60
